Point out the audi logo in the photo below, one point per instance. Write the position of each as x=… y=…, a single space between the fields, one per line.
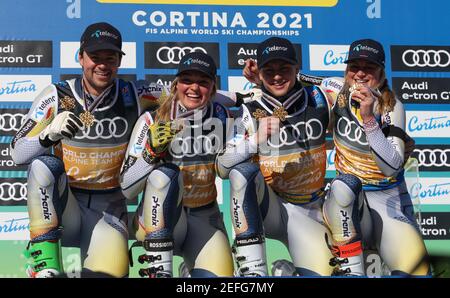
x=433 y=157
x=11 y=122
x=167 y=55
x=16 y=191
x=426 y=58
x=195 y=146
x=301 y=133
x=105 y=129
x=351 y=131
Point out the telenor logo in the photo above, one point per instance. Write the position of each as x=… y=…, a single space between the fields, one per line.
x=99 y=33
x=197 y=61
x=273 y=48
x=360 y=47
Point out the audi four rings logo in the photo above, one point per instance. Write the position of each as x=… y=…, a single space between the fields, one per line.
x=433 y=157
x=301 y=132
x=195 y=146
x=426 y=58
x=167 y=55
x=11 y=122
x=105 y=129
x=351 y=131
x=16 y=191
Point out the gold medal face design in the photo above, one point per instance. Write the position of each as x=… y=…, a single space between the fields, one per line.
x=87 y=118
x=341 y=100
x=281 y=113
x=258 y=114
x=67 y=103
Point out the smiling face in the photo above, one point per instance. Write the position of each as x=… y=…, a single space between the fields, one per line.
x=194 y=89
x=279 y=77
x=99 y=69
x=363 y=72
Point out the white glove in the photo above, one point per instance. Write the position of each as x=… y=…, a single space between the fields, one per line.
x=65 y=125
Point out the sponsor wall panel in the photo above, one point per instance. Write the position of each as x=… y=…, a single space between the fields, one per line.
x=426 y=124
x=420 y=58
x=422 y=90
x=25 y=53
x=22 y=87
x=14 y=226
x=168 y=54
x=70 y=50
x=434 y=158
x=328 y=57
x=13 y=192
x=239 y=52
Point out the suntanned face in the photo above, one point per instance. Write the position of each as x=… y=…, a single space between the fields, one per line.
x=194 y=89
x=363 y=72
x=279 y=76
x=99 y=69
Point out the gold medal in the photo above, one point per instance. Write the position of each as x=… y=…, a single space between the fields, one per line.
x=258 y=114
x=281 y=113
x=67 y=103
x=87 y=118
x=341 y=100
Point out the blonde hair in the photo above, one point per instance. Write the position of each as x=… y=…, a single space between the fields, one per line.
x=163 y=112
x=386 y=102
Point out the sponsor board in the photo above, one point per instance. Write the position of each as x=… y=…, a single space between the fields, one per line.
x=425 y=124
x=6 y=163
x=422 y=90
x=22 y=87
x=165 y=80
x=239 y=52
x=420 y=58
x=13 y=192
x=14 y=226
x=15 y=53
x=431 y=191
x=236 y=84
x=69 y=51
x=168 y=54
x=432 y=157
x=435 y=225
x=328 y=57
x=11 y=120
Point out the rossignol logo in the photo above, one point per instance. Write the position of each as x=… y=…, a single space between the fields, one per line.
x=274 y=48
x=21 y=133
x=360 y=47
x=345 y=228
x=99 y=34
x=196 y=61
x=248 y=241
x=44 y=203
x=236 y=208
x=155 y=207
x=160 y=244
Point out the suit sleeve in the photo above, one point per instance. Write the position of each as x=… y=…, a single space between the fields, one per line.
x=25 y=144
